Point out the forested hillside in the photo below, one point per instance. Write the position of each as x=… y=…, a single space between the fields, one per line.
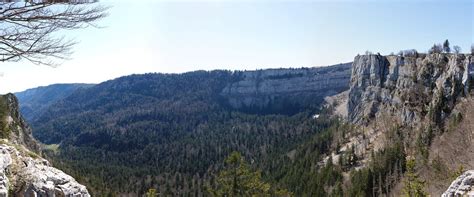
x=171 y=132
x=36 y=100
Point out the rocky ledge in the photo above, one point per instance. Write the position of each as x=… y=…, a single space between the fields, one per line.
x=22 y=171
x=462 y=186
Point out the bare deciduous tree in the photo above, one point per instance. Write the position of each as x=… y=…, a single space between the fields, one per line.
x=457 y=49
x=29 y=29
x=472 y=49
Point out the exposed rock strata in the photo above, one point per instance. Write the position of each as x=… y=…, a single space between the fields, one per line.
x=416 y=93
x=295 y=87
x=409 y=88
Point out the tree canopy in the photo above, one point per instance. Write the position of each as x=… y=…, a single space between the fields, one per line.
x=237 y=179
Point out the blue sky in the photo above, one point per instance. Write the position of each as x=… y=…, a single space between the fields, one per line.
x=179 y=36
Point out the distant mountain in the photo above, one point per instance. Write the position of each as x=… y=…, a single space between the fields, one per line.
x=171 y=131
x=35 y=101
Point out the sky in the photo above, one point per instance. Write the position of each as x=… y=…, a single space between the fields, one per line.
x=175 y=36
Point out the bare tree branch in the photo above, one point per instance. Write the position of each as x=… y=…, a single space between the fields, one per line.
x=28 y=28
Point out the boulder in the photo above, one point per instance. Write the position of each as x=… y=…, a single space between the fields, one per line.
x=462 y=186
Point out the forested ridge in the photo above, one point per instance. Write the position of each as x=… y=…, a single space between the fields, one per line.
x=170 y=132
x=36 y=100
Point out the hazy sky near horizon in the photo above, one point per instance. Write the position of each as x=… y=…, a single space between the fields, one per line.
x=174 y=36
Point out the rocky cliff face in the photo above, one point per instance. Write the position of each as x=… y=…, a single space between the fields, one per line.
x=427 y=98
x=410 y=88
x=462 y=186
x=291 y=87
x=22 y=171
x=12 y=126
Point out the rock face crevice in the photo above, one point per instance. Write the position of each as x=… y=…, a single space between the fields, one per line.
x=292 y=87
x=22 y=171
x=409 y=88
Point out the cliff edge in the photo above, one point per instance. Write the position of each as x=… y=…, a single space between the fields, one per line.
x=286 y=88
x=410 y=88
x=421 y=102
x=22 y=171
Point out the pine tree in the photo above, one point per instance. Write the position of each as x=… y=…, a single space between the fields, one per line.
x=413 y=186
x=337 y=191
x=237 y=179
x=446 y=47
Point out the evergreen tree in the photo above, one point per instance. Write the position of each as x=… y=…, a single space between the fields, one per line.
x=337 y=191
x=413 y=186
x=237 y=179
x=446 y=47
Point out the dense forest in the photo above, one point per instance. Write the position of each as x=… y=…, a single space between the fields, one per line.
x=175 y=135
x=171 y=132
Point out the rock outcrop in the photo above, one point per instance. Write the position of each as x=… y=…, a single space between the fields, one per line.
x=462 y=186
x=420 y=96
x=409 y=88
x=22 y=171
x=286 y=87
x=12 y=126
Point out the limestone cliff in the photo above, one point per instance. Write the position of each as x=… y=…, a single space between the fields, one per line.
x=424 y=97
x=292 y=87
x=462 y=186
x=22 y=171
x=410 y=88
x=12 y=126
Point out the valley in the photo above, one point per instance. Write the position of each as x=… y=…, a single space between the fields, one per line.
x=236 y=98
x=171 y=132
